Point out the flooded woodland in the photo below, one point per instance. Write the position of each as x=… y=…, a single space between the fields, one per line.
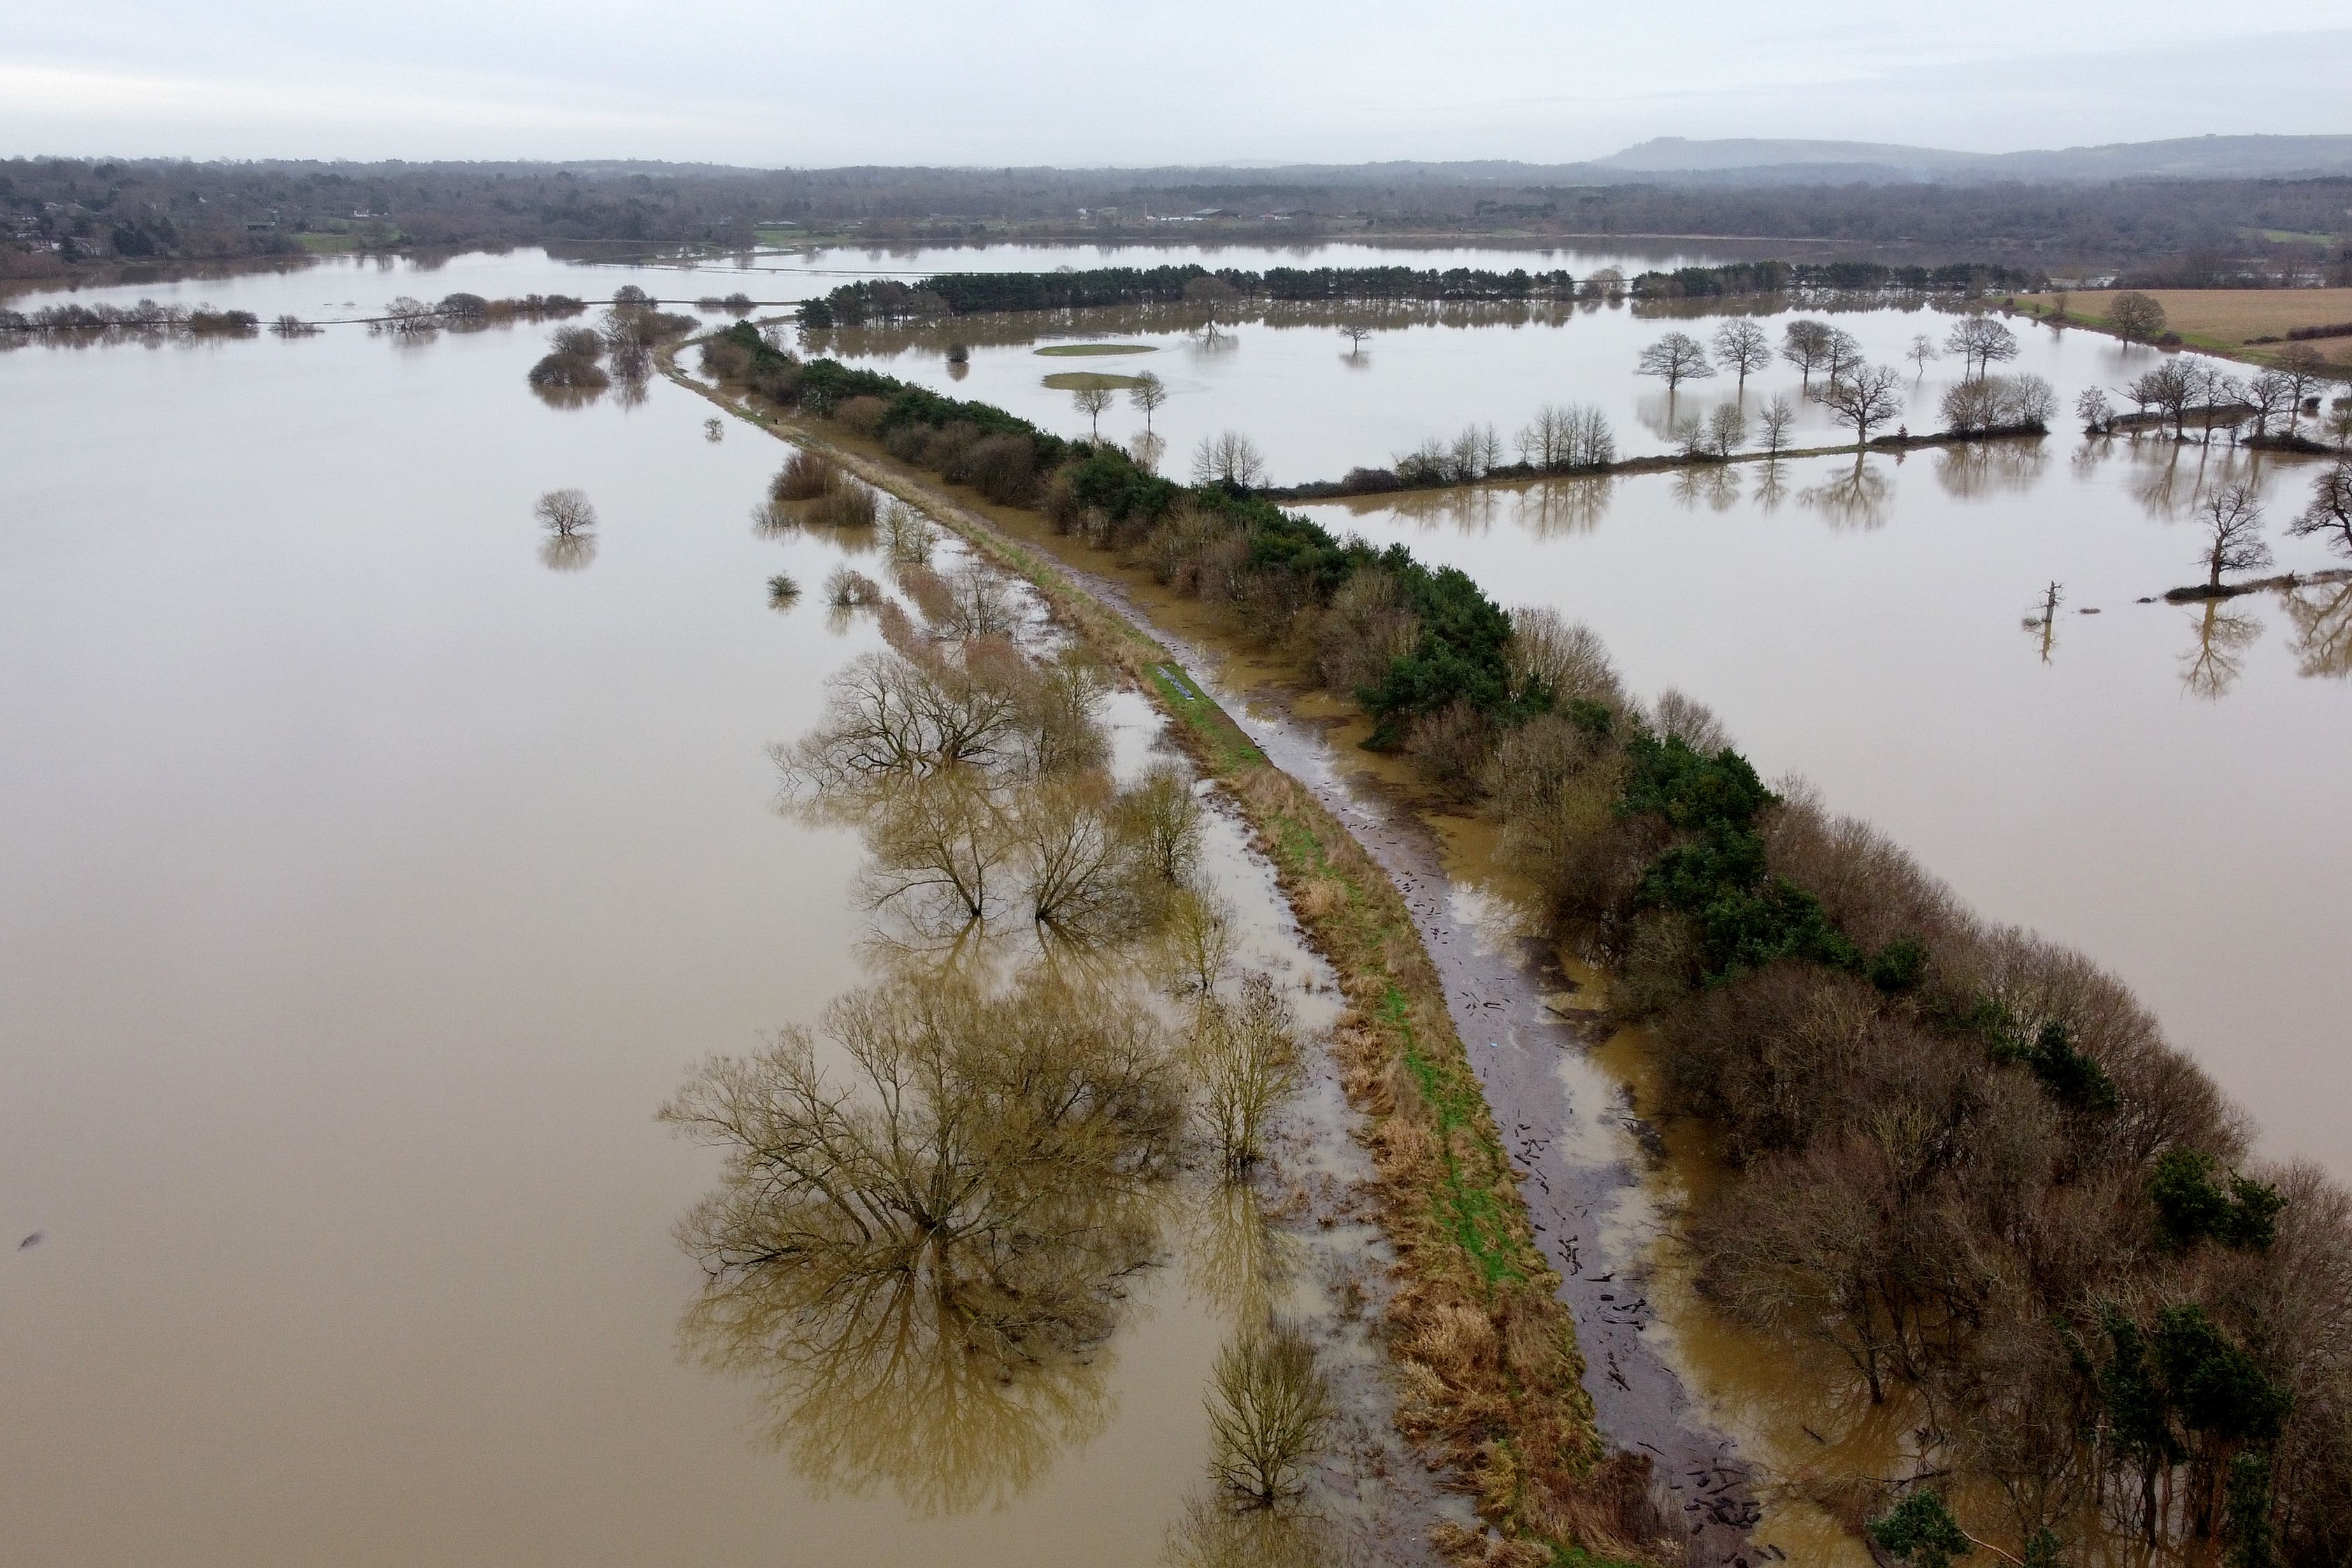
x=456 y=970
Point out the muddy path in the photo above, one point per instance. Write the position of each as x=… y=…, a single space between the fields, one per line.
x=1569 y=1127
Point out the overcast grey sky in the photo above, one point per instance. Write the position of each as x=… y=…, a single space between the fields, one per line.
x=1146 y=81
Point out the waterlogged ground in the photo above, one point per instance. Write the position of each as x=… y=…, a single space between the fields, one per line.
x=375 y=872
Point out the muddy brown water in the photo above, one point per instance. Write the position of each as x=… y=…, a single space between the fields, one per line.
x=370 y=881
x=372 y=878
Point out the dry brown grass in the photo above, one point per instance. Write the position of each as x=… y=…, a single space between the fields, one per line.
x=2231 y=316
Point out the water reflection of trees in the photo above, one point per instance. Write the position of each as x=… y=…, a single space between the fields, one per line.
x=1858 y=498
x=2321 y=614
x=1991 y=467
x=1024 y=329
x=2216 y=655
x=1715 y=487
x=1550 y=507
x=567 y=552
x=913 y=1262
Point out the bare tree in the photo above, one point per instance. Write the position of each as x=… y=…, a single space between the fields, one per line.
x=1476 y=452
x=1843 y=354
x=1245 y=1054
x=1164 y=821
x=970 y=1189
x=1092 y=399
x=1270 y=1413
x=2269 y=393
x=2136 y=317
x=1742 y=345
x=1675 y=359
x=1544 y=442
x=1355 y=332
x=2304 y=367
x=1923 y=350
x=1805 y=344
x=2171 y=390
x=1980 y=341
x=2097 y=412
x=565 y=513
x=1229 y=458
x=1778 y=416
x=1863 y=400
x=1727 y=430
x=1147 y=394
x=2233 y=524
x=2329 y=515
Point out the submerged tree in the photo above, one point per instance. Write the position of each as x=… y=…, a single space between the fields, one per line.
x=1980 y=341
x=1675 y=359
x=1245 y=1053
x=1270 y=1413
x=2233 y=529
x=565 y=513
x=911 y=1255
x=1742 y=345
x=1148 y=395
x=1091 y=400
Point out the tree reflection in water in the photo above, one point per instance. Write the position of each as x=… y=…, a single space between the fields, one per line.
x=2217 y=658
x=2321 y=615
x=1991 y=467
x=567 y=552
x=915 y=1264
x=1551 y=508
x=1859 y=498
x=917 y=1257
x=1716 y=485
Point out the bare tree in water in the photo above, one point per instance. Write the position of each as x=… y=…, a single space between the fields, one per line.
x=2233 y=530
x=565 y=513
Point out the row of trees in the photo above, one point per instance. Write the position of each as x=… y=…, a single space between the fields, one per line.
x=2183 y=390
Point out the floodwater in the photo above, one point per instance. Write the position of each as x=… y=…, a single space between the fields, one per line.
x=2157 y=785
x=374 y=873
x=372 y=882
x=1316 y=406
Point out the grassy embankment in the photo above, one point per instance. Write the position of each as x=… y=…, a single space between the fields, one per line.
x=1492 y=1375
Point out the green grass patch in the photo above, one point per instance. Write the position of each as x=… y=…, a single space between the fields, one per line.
x=1077 y=350
x=1202 y=715
x=327 y=245
x=1089 y=380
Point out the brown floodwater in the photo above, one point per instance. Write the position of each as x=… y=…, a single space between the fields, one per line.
x=370 y=881
x=374 y=873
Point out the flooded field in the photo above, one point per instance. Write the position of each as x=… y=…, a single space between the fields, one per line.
x=377 y=869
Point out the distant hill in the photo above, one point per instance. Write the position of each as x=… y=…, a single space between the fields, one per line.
x=1755 y=160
